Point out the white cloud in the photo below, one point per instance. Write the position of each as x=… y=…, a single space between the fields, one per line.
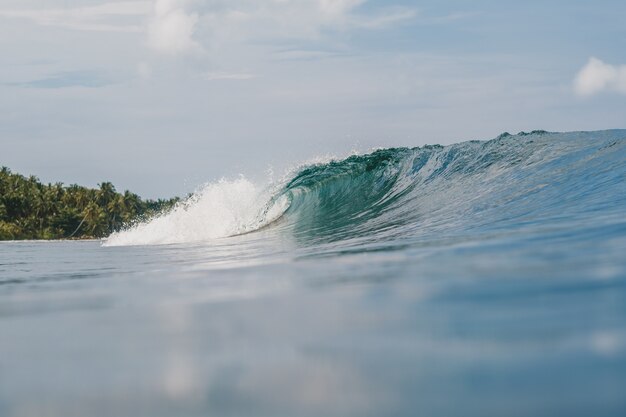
x=144 y=70
x=172 y=27
x=305 y=55
x=218 y=26
x=103 y=17
x=597 y=76
x=338 y=7
x=211 y=76
x=261 y=21
x=384 y=19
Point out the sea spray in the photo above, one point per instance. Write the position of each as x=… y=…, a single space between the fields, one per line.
x=220 y=209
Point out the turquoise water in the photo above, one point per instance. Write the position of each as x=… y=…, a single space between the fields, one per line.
x=479 y=279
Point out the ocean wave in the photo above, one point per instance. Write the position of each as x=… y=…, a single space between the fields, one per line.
x=528 y=180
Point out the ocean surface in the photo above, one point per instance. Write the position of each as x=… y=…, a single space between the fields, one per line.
x=478 y=279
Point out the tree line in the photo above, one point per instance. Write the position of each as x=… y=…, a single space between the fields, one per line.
x=30 y=209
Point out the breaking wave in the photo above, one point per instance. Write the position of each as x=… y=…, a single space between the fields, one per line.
x=525 y=181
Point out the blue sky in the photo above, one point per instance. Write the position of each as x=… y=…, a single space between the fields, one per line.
x=160 y=96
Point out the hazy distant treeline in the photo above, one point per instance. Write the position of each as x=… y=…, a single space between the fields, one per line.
x=32 y=210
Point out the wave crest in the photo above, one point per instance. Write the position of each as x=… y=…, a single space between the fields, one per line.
x=428 y=192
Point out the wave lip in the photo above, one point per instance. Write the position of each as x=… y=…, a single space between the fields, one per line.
x=432 y=192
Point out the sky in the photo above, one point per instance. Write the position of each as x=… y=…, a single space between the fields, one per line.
x=160 y=96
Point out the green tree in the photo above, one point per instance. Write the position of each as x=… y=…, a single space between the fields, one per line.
x=32 y=210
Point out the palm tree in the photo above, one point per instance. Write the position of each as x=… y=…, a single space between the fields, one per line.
x=30 y=209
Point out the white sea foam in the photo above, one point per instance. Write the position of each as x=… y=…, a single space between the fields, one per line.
x=220 y=209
